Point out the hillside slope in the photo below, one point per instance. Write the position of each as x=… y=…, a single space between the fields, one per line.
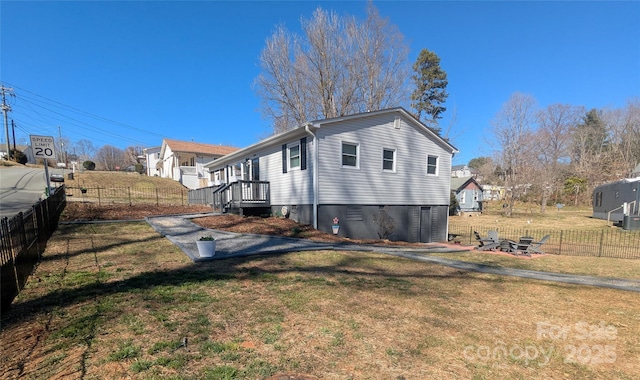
x=91 y=179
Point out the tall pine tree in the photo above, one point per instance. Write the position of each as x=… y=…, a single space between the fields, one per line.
x=430 y=89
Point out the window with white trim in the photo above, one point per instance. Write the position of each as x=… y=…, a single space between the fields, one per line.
x=350 y=155
x=294 y=156
x=432 y=165
x=388 y=160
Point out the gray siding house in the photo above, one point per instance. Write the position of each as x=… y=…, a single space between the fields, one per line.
x=379 y=174
x=469 y=194
x=612 y=201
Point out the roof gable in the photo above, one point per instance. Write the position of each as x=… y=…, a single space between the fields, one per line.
x=416 y=123
x=197 y=148
x=459 y=183
x=303 y=130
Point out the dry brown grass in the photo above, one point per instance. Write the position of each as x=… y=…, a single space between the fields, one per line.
x=529 y=216
x=116 y=300
x=590 y=266
x=79 y=211
x=104 y=179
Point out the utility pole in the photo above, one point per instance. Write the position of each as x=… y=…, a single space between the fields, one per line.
x=63 y=154
x=6 y=108
x=13 y=131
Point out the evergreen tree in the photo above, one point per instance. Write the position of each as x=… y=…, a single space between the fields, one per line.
x=430 y=88
x=594 y=132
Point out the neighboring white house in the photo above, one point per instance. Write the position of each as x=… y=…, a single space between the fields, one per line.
x=25 y=149
x=493 y=192
x=460 y=171
x=379 y=174
x=152 y=158
x=184 y=161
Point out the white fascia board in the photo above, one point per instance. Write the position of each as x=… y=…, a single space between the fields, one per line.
x=242 y=154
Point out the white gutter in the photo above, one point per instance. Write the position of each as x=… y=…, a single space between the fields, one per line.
x=315 y=176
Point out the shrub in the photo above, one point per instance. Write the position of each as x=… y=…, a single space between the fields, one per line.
x=385 y=223
x=19 y=157
x=89 y=165
x=454 y=206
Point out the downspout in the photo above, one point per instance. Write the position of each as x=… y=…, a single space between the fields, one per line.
x=315 y=176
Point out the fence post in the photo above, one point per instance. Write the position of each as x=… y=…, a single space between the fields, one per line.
x=601 y=242
x=157 y=198
x=182 y=197
x=560 y=246
x=98 y=195
x=129 y=193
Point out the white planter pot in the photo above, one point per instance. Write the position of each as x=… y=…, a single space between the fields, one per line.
x=335 y=229
x=206 y=248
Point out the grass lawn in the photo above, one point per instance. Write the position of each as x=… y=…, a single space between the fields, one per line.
x=118 y=301
x=590 y=266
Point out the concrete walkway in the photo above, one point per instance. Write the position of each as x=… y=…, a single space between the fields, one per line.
x=184 y=233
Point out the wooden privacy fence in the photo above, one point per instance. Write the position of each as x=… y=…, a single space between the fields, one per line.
x=128 y=195
x=23 y=239
x=609 y=242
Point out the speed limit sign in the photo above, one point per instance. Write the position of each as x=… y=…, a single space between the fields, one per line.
x=43 y=146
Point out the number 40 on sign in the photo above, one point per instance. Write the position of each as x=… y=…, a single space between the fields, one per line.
x=43 y=146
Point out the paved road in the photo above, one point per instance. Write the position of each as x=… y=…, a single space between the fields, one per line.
x=20 y=188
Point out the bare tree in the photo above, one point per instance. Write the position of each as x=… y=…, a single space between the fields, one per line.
x=381 y=59
x=84 y=149
x=338 y=67
x=133 y=154
x=484 y=168
x=551 y=145
x=110 y=158
x=512 y=128
x=623 y=126
x=591 y=149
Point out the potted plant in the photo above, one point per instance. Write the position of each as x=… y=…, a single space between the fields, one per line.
x=336 y=225
x=206 y=246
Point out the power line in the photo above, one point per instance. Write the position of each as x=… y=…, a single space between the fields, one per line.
x=84 y=123
x=88 y=113
x=34 y=111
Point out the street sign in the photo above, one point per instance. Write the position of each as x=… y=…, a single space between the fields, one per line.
x=43 y=146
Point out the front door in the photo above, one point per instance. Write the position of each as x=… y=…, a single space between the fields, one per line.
x=255 y=169
x=246 y=170
x=425 y=224
x=255 y=176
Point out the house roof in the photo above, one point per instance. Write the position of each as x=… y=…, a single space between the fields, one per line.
x=458 y=183
x=400 y=110
x=198 y=148
x=457 y=167
x=314 y=125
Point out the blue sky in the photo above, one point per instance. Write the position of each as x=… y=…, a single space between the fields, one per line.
x=131 y=73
